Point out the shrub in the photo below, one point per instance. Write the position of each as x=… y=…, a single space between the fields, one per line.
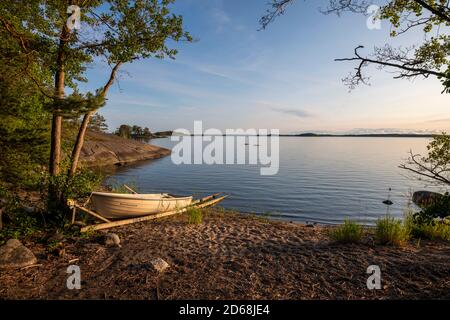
x=391 y=231
x=17 y=222
x=195 y=215
x=431 y=229
x=440 y=208
x=349 y=232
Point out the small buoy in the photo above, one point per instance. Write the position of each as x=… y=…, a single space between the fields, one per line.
x=388 y=202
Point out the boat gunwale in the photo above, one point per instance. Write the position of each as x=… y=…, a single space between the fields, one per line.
x=139 y=196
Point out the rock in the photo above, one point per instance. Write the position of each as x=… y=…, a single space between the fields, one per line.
x=112 y=240
x=425 y=198
x=102 y=149
x=159 y=264
x=15 y=255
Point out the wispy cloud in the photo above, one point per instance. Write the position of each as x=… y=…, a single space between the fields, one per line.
x=221 y=18
x=439 y=121
x=293 y=112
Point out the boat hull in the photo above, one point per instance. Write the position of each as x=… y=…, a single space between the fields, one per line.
x=119 y=206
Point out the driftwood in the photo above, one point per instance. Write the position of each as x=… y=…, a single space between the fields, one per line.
x=208 y=201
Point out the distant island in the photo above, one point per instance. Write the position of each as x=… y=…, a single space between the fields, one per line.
x=375 y=135
x=369 y=135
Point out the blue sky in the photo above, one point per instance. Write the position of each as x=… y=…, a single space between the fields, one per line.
x=283 y=78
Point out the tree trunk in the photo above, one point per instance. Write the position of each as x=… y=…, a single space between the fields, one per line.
x=55 y=150
x=83 y=128
x=79 y=143
x=55 y=196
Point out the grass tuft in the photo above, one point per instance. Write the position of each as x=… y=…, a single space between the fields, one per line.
x=391 y=231
x=349 y=232
x=195 y=215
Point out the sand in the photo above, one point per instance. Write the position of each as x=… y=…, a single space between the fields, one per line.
x=232 y=256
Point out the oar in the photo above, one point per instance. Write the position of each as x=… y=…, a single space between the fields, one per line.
x=129 y=189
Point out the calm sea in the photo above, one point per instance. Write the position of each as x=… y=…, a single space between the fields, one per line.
x=321 y=179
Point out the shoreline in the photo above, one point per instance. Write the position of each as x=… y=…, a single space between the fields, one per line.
x=231 y=256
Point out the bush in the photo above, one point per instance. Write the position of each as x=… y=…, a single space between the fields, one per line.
x=440 y=208
x=195 y=215
x=432 y=230
x=349 y=232
x=391 y=231
x=79 y=187
x=17 y=222
x=429 y=216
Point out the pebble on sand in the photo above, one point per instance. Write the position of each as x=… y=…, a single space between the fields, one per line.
x=112 y=240
x=159 y=264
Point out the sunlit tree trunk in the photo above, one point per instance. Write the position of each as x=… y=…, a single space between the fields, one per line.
x=84 y=125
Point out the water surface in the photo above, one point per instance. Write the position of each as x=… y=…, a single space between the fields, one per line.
x=321 y=179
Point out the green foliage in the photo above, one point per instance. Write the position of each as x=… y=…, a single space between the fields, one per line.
x=440 y=208
x=127 y=131
x=79 y=186
x=432 y=229
x=439 y=150
x=37 y=45
x=98 y=123
x=434 y=167
x=116 y=30
x=430 y=57
x=391 y=231
x=18 y=223
x=124 y=131
x=349 y=232
x=195 y=215
x=24 y=125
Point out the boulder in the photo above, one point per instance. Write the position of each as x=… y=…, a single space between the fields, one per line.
x=15 y=255
x=425 y=198
x=159 y=264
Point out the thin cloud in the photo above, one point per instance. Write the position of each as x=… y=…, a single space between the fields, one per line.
x=294 y=112
x=221 y=18
x=438 y=120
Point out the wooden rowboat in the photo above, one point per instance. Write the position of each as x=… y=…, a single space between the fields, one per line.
x=124 y=205
x=204 y=202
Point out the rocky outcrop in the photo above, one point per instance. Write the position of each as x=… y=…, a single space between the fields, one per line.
x=15 y=255
x=102 y=149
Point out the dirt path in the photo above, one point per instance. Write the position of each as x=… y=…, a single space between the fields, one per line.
x=231 y=256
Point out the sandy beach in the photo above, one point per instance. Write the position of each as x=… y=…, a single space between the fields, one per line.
x=231 y=256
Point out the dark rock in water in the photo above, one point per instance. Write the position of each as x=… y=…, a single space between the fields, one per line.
x=388 y=202
x=426 y=198
x=15 y=255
